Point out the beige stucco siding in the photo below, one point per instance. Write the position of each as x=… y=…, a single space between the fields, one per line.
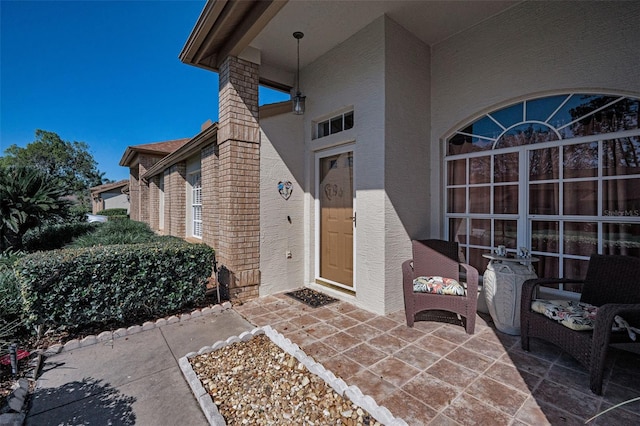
x=529 y=50
x=281 y=221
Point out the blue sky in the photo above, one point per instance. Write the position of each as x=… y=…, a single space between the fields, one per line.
x=103 y=72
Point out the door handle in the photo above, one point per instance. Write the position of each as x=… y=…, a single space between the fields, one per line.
x=353 y=218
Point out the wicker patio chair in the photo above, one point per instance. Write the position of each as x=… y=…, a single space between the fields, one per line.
x=612 y=284
x=439 y=258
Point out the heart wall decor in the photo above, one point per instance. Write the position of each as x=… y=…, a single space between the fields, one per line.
x=285 y=188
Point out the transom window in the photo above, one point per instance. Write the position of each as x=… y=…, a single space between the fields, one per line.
x=335 y=124
x=559 y=176
x=195 y=180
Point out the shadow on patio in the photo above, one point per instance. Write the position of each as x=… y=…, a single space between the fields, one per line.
x=436 y=374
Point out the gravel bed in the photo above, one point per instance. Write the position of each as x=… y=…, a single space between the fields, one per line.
x=256 y=382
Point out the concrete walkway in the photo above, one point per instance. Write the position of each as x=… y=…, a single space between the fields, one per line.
x=133 y=379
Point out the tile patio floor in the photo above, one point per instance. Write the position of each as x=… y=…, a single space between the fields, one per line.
x=436 y=374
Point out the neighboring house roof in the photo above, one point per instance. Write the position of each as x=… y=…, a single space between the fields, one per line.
x=109 y=186
x=208 y=135
x=156 y=148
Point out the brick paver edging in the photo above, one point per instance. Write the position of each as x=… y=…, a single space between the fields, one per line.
x=122 y=332
x=353 y=393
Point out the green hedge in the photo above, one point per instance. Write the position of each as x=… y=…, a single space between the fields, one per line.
x=113 y=212
x=107 y=284
x=52 y=237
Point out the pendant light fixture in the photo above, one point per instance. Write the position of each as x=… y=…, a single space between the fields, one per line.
x=298 y=99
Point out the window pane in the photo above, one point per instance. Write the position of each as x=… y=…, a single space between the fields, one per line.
x=510 y=115
x=578 y=106
x=544 y=236
x=462 y=144
x=457 y=172
x=621 y=238
x=480 y=169
x=506 y=233
x=505 y=199
x=541 y=109
x=581 y=198
x=456 y=200
x=580 y=238
x=476 y=260
x=348 y=120
x=480 y=199
x=622 y=115
x=543 y=164
x=323 y=129
x=458 y=230
x=621 y=197
x=575 y=269
x=484 y=127
x=506 y=167
x=336 y=125
x=526 y=134
x=547 y=267
x=621 y=157
x=480 y=232
x=543 y=198
x=580 y=160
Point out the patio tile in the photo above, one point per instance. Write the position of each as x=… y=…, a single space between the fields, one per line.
x=373 y=385
x=436 y=345
x=397 y=316
x=343 y=307
x=343 y=366
x=627 y=378
x=540 y=349
x=456 y=335
x=300 y=337
x=497 y=395
x=363 y=332
x=387 y=344
x=382 y=323
x=430 y=390
x=394 y=371
x=365 y=354
x=575 y=402
x=266 y=319
x=323 y=313
x=511 y=376
x=319 y=351
x=527 y=363
x=615 y=394
x=406 y=333
x=342 y=321
x=341 y=340
x=305 y=321
x=469 y=359
x=417 y=357
x=617 y=416
x=442 y=420
x=535 y=413
x=361 y=315
x=576 y=379
x=411 y=410
x=468 y=410
x=485 y=347
x=321 y=330
x=451 y=373
x=427 y=326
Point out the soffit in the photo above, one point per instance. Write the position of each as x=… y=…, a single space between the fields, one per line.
x=326 y=24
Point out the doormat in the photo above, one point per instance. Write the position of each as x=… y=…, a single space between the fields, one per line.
x=310 y=297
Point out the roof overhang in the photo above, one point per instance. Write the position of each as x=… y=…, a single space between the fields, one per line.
x=226 y=28
x=205 y=137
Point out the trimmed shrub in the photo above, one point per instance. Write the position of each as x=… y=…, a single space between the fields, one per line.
x=113 y=212
x=10 y=297
x=117 y=232
x=107 y=284
x=52 y=237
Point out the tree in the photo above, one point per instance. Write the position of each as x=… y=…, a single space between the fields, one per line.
x=69 y=163
x=28 y=198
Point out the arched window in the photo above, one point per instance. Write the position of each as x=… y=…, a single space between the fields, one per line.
x=558 y=175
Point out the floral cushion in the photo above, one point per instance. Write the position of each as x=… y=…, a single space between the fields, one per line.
x=438 y=285
x=570 y=313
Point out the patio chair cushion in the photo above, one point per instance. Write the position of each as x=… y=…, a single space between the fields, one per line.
x=575 y=315
x=438 y=285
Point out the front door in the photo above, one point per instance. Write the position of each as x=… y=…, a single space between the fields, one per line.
x=337 y=218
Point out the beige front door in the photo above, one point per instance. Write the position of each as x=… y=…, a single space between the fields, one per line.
x=337 y=218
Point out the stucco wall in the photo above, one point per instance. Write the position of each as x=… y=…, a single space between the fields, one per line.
x=281 y=221
x=531 y=49
x=407 y=123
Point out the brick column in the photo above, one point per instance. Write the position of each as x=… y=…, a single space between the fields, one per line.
x=145 y=162
x=178 y=213
x=239 y=178
x=154 y=202
x=134 y=191
x=210 y=196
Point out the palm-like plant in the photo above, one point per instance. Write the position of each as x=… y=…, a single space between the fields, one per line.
x=27 y=199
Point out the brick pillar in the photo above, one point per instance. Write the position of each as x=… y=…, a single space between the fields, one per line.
x=154 y=202
x=210 y=196
x=145 y=162
x=178 y=208
x=134 y=191
x=168 y=201
x=239 y=178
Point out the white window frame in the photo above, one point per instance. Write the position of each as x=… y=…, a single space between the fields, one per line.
x=195 y=201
